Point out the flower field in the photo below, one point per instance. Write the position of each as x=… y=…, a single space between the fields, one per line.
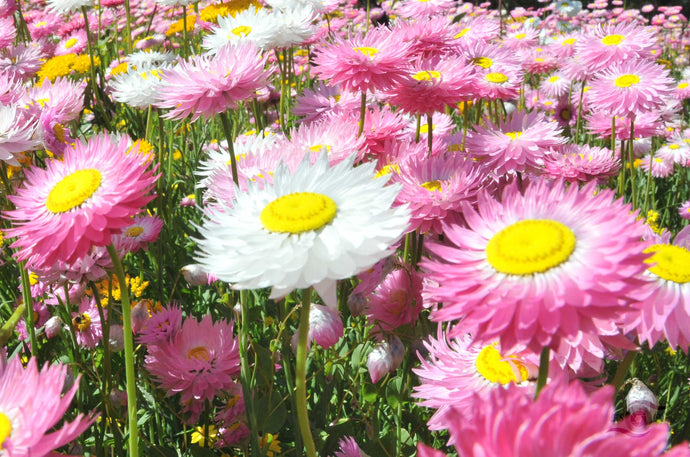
x=344 y=228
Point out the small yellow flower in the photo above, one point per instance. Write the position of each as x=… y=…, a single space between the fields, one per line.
x=199 y=437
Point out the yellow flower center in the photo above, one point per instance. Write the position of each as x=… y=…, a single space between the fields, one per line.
x=462 y=32
x=367 y=51
x=494 y=367
x=298 y=212
x=672 y=262
x=73 y=190
x=627 y=80
x=496 y=78
x=612 y=40
x=387 y=169
x=59 y=132
x=553 y=79
x=33 y=278
x=5 y=429
x=242 y=30
x=199 y=353
x=564 y=5
x=568 y=42
x=483 y=62
x=674 y=146
x=134 y=231
x=434 y=186
x=426 y=75
x=514 y=135
x=82 y=322
x=530 y=246
x=519 y=36
x=71 y=42
x=682 y=85
x=321 y=148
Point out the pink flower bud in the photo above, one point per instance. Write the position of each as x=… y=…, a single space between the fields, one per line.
x=195 y=275
x=385 y=358
x=116 y=338
x=53 y=327
x=641 y=399
x=140 y=315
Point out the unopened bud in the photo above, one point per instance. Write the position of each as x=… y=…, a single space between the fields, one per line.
x=641 y=400
x=53 y=327
x=195 y=275
x=116 y=338
x=385 y=358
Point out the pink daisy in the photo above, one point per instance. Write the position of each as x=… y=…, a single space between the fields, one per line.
x=676 y=150
x=362 y=63
x=396 y=301
x=661 y=168
x=564 y=45
x=45 y=25
x=80 y=201
x=521 y=38
x=144 y=229
x=538 y=60
x=32 y=402
x=535 y=269
x=434 y=187
x=684 y=210
x=488 y=56
x=433 y=84
x=582 y=163
x=17 y=133
x=162 y=327
x=62 y=95
x=472 y=29
x=348 y=448
x=555 y=86
x=682 y=90
x=381 y=126
x=630 y=87
x=199 y=362
x=322 y=100
x=515 y=145
x=428 y=37
x=665 y=300
x=455 y=371
x=646 y=125
x=501 y=83
x=563 y=421
x=74 y=43
x=87 y=323
x=208 y=85
x=7 y=32
x=422 y=8
x=614 y=43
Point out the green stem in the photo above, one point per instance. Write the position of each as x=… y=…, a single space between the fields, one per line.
x=225 y=120
x=630 y=161
x=29 y=303
x=184 y=31
x=362 y=113
x=128 y=29
x=129 y=354
x=543 y=370
x=622 y=370
x=301 y=375
x=246 y=372
x=8 y=327
x=430 y=132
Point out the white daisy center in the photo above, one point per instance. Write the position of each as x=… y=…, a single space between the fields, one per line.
x=73 y=190
x=242 y=30
x=530 y=246
x=672 y=262
x=135 y=231
x=497 y=369
x=613 y=40
x=5 y=429
x=496 y=78
x=81 y=322
x=627 y=80
x=298 y=212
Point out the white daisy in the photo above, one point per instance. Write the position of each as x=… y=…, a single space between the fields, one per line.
x=17 y=133
x=68 y=6
x=137 y=89
x=150 y=59
x=256 y=25
x=292 y=26
x=309 y=228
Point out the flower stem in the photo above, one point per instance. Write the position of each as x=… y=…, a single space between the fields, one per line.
x=129 y=354
x=623 y=368
x=362 y=113
x=430 y=128
x=29 y=303
x=225 y=120
x=301 y=375
x=543 y=370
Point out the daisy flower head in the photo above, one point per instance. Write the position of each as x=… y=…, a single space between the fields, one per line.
x=87 y=323
x=676 y=150
x=31 y=405
x=433 y=84
x=309 y=228
x=208 y=85
x=630 y=87
x=348 y=447
x=563 y=421
x=682 y=90
x=253 y=24
x=614 y=43
x=80 y=201
x=556 y=85
x=583 y=163
x=455 y=370
x=684 y=210
x=661 y=167
x=162 y=326
x=68 y=6
x=17 y=133
x=143 y=229
x=199 y=362
x=550 y=247
x=429 y=37
x=370 y=62
x=74 y=43
x=521 y=38
x=434 y=187
x=138 y=89
x=422 y=8
x=515 y=145
x=323 y=100
x=501 y=83
x=396 y=301
x=477 y=28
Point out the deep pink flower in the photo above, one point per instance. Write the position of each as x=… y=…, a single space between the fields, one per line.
x=396 y=301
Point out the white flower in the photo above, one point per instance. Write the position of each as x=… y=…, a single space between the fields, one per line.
x=17 y=133
x=309 y=228
x=144 y=60
x=292 y=26
x=137 y=89
x=68 y=6
x=258 y=26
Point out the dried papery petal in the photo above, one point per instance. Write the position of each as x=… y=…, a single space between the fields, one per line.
x=640 y=398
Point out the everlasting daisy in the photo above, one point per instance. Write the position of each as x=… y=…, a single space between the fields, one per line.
x=78 y=202
x=456 y=370
x=582 y=163
x=396 y=301
x=87 y=323
x=515 y=145
x=363 y=63
x=421 y=8
x=74 y=43
x=349 y=448
x=138 y=89
x=143 y=229
x=676 y=150
x=614 y=43
x=31 y=405
x=309 y=228
x=536 y=269
x=198 y=362
x=68 y=6
x=253 y=24
x=17 y=130
x=684 y=210
x=630 y=87
x=208 y=85
x=661 y=168
x=322 y=100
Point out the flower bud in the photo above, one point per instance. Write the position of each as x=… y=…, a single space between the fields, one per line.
x=140 y=316
x=53 y=327
x=116 y=338
x=385 y=358
x=195 y=275
x=641 y=400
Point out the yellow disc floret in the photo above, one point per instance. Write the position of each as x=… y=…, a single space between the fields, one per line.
x=514 y=135
x=426 y=75
x=434 y=186
x=672 y=263
x=298 y=212
x=73 y=190
x=613 y=40
x=496 y=78
x=134 y=231
x=367 y=51
x=627 y=80
x=498 y=370
x=5 y=429
x=530 y=246
x=483 y=62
